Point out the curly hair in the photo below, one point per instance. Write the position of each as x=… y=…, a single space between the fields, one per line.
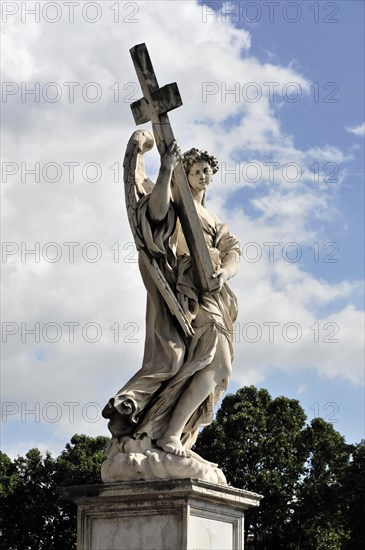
x=198 y=155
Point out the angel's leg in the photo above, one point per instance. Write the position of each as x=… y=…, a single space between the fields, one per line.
x=203 y=384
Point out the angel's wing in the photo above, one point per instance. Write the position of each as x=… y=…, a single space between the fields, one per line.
x=136 y=183
x=136 y=186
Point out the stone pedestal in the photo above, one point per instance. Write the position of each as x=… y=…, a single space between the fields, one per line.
x=185 y=514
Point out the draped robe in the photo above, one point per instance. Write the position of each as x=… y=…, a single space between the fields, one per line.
x=146 y=402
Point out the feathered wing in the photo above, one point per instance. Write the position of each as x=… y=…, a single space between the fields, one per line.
x=136 y=183
x=136 y=186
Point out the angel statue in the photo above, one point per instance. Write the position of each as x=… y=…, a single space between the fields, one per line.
x=188 y=348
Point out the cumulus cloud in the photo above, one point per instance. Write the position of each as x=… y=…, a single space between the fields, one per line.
x=357 y=130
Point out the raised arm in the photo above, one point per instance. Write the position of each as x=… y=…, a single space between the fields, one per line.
x=159 y=200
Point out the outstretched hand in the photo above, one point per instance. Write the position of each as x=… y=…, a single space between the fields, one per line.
x=172 y=156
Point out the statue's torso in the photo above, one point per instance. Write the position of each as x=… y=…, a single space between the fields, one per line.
x=208 y=223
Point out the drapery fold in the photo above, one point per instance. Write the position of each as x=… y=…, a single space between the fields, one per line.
x=145 y=403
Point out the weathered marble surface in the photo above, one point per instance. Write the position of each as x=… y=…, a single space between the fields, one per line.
x=139 y=460
x=161 y=515
x=183 y=375
x=186 y=256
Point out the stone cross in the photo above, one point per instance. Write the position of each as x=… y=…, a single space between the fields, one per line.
x=154 y=106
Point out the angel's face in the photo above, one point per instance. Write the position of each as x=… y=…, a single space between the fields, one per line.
x=200 y=175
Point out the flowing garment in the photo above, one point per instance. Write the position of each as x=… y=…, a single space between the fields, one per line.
x=146 y=402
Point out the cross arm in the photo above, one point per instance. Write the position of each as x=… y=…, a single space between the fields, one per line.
x=154 y=107
x=164 y=99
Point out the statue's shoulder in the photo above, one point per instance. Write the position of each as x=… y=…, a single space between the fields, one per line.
x=209 y=217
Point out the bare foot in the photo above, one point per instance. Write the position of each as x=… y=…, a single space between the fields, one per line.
x=171 y=444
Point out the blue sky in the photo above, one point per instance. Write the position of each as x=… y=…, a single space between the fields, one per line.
x=332 y=52
x=314 y=293
x=324 y=53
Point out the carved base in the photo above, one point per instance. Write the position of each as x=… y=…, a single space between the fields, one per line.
x=179 y=514
x=138 y=460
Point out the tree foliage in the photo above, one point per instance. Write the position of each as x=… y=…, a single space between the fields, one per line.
x=312 y=482
x=34 y=515
x=354 y=485
x=303 y=471
x=320 y=511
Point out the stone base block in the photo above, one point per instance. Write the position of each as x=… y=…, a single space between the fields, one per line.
x=185 y=514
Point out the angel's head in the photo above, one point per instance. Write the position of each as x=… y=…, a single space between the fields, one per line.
x=199 y=167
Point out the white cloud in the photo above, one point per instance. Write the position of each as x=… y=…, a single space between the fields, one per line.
x=357 y=130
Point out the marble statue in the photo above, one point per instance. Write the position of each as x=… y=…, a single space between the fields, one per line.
x=155 y=417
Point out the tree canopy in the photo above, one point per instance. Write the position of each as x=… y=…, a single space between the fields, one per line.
x=306 y=473
x=34 y=515
x=312 y=481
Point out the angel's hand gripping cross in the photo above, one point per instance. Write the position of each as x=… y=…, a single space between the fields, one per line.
x=154 y=107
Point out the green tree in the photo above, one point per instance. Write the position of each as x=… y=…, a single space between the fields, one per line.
x=320 y=518
x=354 y=484
x=313 y=494
x=257 y=442
x=80 y=462
x=313 y=483
x=34 y=515
x=27 y=499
